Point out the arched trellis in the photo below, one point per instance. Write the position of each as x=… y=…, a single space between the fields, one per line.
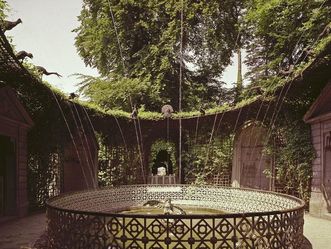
x=121 y=130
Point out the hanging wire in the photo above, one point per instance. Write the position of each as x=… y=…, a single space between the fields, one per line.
x=180 y=89
x=216 y=116
x=283 y=87
x=139 y=140
x=117 y=37
x=278 y=102
x=196 y=131
x=121 y=132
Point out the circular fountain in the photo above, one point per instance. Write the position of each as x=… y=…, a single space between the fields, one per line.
x=212 y=217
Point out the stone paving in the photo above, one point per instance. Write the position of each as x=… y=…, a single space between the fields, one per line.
x=22 y=233
x=318 y=232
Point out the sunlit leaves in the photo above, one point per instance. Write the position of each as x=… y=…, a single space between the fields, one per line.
x=148 y=35
x=281 y=32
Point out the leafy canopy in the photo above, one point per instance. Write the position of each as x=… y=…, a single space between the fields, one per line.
x=149 y=36
x=3 y=9
x=281 y=34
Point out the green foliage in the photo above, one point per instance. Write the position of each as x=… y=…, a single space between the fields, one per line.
x=293 y=152
x=118 y=165
x=149 y=115
x=204 y=160
x=149 y=34
x=281 y=34
x=323 y=44
x=114 y=92
x=3 y=9
x=277 y=34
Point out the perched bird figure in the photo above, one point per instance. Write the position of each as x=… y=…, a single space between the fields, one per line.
x=23 y=54
x=167 y=111
x=73 y=96
x=134 y=113
x=8 y=25
x=43 y=71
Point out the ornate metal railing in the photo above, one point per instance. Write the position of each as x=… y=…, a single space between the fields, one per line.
x=253 y=219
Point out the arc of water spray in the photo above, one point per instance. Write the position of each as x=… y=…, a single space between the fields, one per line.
x=71 y=136
x=86 y=142
x=121 y=131
x=82 y=143
x=140 y=147
x=216 y=116
x=282 y=89
x=273 y=119
x=180 y=89
x=117 y=36
x=93 y=129
x=196 y=131
x=278 y=109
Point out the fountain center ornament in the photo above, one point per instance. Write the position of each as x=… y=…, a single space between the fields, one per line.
x=168 y=207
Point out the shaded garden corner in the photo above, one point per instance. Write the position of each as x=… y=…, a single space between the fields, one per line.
x=23 y=232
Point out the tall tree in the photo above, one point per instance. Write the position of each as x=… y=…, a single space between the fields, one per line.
x=149 y=34
x=3 y=9
x=280 y=33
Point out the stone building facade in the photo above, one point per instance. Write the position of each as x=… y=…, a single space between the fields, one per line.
x=14 y=125
x=319 y=117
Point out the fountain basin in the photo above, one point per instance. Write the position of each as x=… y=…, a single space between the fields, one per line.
x=243 y=218
x=155 y=210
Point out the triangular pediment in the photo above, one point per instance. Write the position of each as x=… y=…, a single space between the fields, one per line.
x=321 y=107
x=11 y=109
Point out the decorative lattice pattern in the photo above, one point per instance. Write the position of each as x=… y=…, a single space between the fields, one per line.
x=255 y=219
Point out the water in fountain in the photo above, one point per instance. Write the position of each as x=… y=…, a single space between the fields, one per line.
x=153 y=207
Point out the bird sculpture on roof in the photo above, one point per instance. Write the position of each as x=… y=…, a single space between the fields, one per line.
x=73 y=96
x=9 y=25
x=134 y=113
x=167 y=111
x=22 y=55
x=43 y=71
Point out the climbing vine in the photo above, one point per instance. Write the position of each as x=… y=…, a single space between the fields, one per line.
x=204 y=161
x=291 y=148
x=118 y=165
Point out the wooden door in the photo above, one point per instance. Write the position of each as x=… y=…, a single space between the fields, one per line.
x=249 y=160
x=7 y=177
x=253 y=165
